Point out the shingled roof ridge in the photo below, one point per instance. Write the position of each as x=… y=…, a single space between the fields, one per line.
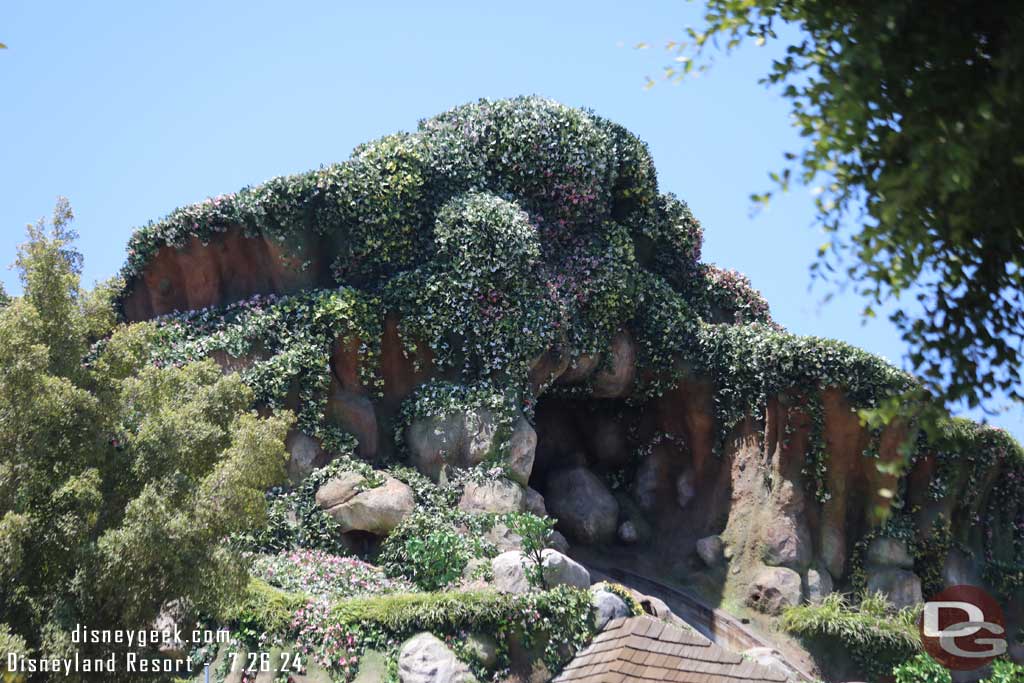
x=637 y=644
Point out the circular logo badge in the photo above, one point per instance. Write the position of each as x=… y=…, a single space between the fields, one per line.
x=963 y=628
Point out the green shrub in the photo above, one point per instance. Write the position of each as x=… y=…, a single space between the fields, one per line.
x=921 y=669
x=1005 y=671
x=430 y=549
x=876 y=637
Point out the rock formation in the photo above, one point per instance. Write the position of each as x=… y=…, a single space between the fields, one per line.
x=507 y=289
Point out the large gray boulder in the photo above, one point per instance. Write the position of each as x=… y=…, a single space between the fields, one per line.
x=607 y=606
x=560 y=570
x=686 y=487
x=464 y=440
x=376 y=510
x=889 y=552
x=585 y=509
x=426 y=659
x=495 y=495
x=305 y=455
x=819 y=584
x=461 y=440
x=901 y=586
x=522 y=448
x=534 y=503
x=483 y=648
x=510 y=573
x=711 y=551
x=774 y=589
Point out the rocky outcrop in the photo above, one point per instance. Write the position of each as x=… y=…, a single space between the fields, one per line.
x=586 y=511
x=511 y=576
x=774 y=589
x=561 y=570
x=375 y=510
x=464 y=440
x=607 y=606
x=902 y=587
x=495 y=495
x=711 y=551
x=426 y=659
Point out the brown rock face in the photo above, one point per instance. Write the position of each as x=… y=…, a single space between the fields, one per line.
x=228 y=269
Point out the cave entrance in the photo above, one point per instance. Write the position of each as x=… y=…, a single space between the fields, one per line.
x=590 y=451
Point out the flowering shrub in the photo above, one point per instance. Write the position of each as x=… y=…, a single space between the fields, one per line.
x=335 y=632
x=317 y=573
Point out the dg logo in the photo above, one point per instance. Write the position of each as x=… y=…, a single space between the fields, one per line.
x=963 y=628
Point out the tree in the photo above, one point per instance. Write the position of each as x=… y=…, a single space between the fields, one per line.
x=909 y=111
x=104 y=465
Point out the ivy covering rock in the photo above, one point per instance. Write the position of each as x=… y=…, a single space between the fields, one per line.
x=417 y=305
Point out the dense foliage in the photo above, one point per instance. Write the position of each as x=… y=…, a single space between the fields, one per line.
x=909 y=116
x=334 y=633
x=103 y=466
x=924 y=669
x=501 y=232
x=875 y=637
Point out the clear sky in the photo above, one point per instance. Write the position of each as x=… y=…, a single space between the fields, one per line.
x=131 y=109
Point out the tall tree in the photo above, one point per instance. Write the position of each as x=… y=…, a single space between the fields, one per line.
x=105 y=465
x=911 y=112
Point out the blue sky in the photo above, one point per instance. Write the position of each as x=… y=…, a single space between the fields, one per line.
x=131 y=109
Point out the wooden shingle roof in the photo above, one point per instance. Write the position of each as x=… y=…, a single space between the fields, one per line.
x=645 y=649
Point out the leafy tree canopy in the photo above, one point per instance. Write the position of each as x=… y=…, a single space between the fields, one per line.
x=103 y=466
x=909 y=112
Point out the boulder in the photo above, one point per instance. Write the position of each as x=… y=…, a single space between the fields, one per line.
x=503 y=538
x=522 y=449
x=959 y=570
x=305 y=455
x=685 y=488
x=607 y=606
x=558 y=542
x=483 y=648
x=426 y=659
x=774 y=589
x=711 y=551
x=889 y=552
x=585 y=508
x=377 y=511
x=435 y=441
x=560 y=570
x=534 y=503
x=479 y=430
x=509 y=573
x=786 y=542
x=607 y=443
x=495 y=495
x=819 y=584
x=628 y=532
x=901 y=586
x=464 y=440
x=646 y=483
x=616 y=379
x=339 y=489
x=356 y=415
